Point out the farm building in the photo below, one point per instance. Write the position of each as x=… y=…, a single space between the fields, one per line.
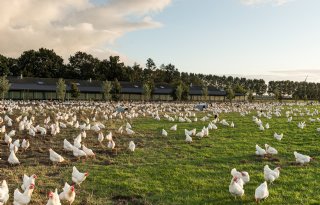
x=29 y=88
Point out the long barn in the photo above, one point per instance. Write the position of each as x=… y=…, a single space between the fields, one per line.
x=29 y=88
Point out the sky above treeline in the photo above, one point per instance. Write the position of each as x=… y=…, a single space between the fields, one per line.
x=269 y=39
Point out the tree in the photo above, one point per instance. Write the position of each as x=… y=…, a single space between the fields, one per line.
x=4 y=86
x=106 y=87
x=61 y=89
x=230 y=94
x=147 y=91
x=43 y=63
x=75 y=92
x=4 y=65
x=179 y=91
x=116 y=90
x=150 y=64
x=82 y=66
x=205 y=92
x=250 y=96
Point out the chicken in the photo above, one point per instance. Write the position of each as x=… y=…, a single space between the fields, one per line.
x=4 y=192
x=67 y=145
x=260 y=151
x=77 y=141
x=236 y=189
x=302 y=159
x=100 y=137
x=132 y=146
x=78 y=177
x=17 y=143
x=271 y=175
x=270 y=150
x=164 y=133
x=78 y=152
x=109 y=136
x=174 y=128
x=23 y=198
x=27 y=181
x=13 y=148
x=111 y=144
x=278 y=136
x=261 y=192
x=88 y=151
x=25 y=144
x=129 y=131
x=13 y=160
x=55 y=157
x=68 y=193
x=53 y=198
x=267 y=126
x=241 y=175
x=7 y=139
x=188 y=138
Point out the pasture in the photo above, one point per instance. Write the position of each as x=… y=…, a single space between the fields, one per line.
x=166 y=169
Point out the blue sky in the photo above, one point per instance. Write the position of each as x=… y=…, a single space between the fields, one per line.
x=229 y=37
x=270 y=39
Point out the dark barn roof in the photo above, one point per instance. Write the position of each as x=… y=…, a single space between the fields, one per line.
x=131 y=88
x=212 y=91
x=50 y=84
x=162 y=89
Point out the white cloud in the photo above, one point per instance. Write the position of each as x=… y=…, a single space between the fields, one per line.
x=257 y=2
x=71 y=25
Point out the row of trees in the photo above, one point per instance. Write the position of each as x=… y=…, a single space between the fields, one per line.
x=47 y=64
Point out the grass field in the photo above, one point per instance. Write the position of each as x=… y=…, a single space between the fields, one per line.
x=167 y=170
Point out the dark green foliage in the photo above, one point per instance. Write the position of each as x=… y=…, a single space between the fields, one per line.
x=75 y=92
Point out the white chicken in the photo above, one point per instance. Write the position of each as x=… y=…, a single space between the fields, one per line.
x=4 y=192
x=261 y=192
x=78 y=152
x=78 y=177
x=301 y=158
x=77 y=141
x=241 y=175
x=23 y=198
x=271 y=175
x=55 y=157
x=132 y=146
x=260 y=151
x=174 y=127
x=111 y=144
x=27 y=181
x=68 y=194
x=188 y=138
x=25 y=144
x=13 y=160
x=164 y=133
x=235 y=188
x=278 y=136
x=53 y=198
x=67 y=146
x=88 y=151
x=100 y=137
x=270 y=150
x=109 y=136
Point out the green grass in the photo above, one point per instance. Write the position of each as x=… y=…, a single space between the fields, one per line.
x=167 y=170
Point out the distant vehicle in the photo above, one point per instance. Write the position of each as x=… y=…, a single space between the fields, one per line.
x=201 y=106
x=121 y=109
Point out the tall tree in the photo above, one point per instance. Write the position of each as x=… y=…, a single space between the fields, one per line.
x=4 y=86
x=82 y=66
x=205 y=92
x=74 y=90
x=106 y=87
x=150 y=64
x=230 y=94
x=4 y=65
x=116 y=90
x=147 y=91
x=61 y=89
x=179 y=91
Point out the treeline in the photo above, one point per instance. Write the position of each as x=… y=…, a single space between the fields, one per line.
x=45 y=63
